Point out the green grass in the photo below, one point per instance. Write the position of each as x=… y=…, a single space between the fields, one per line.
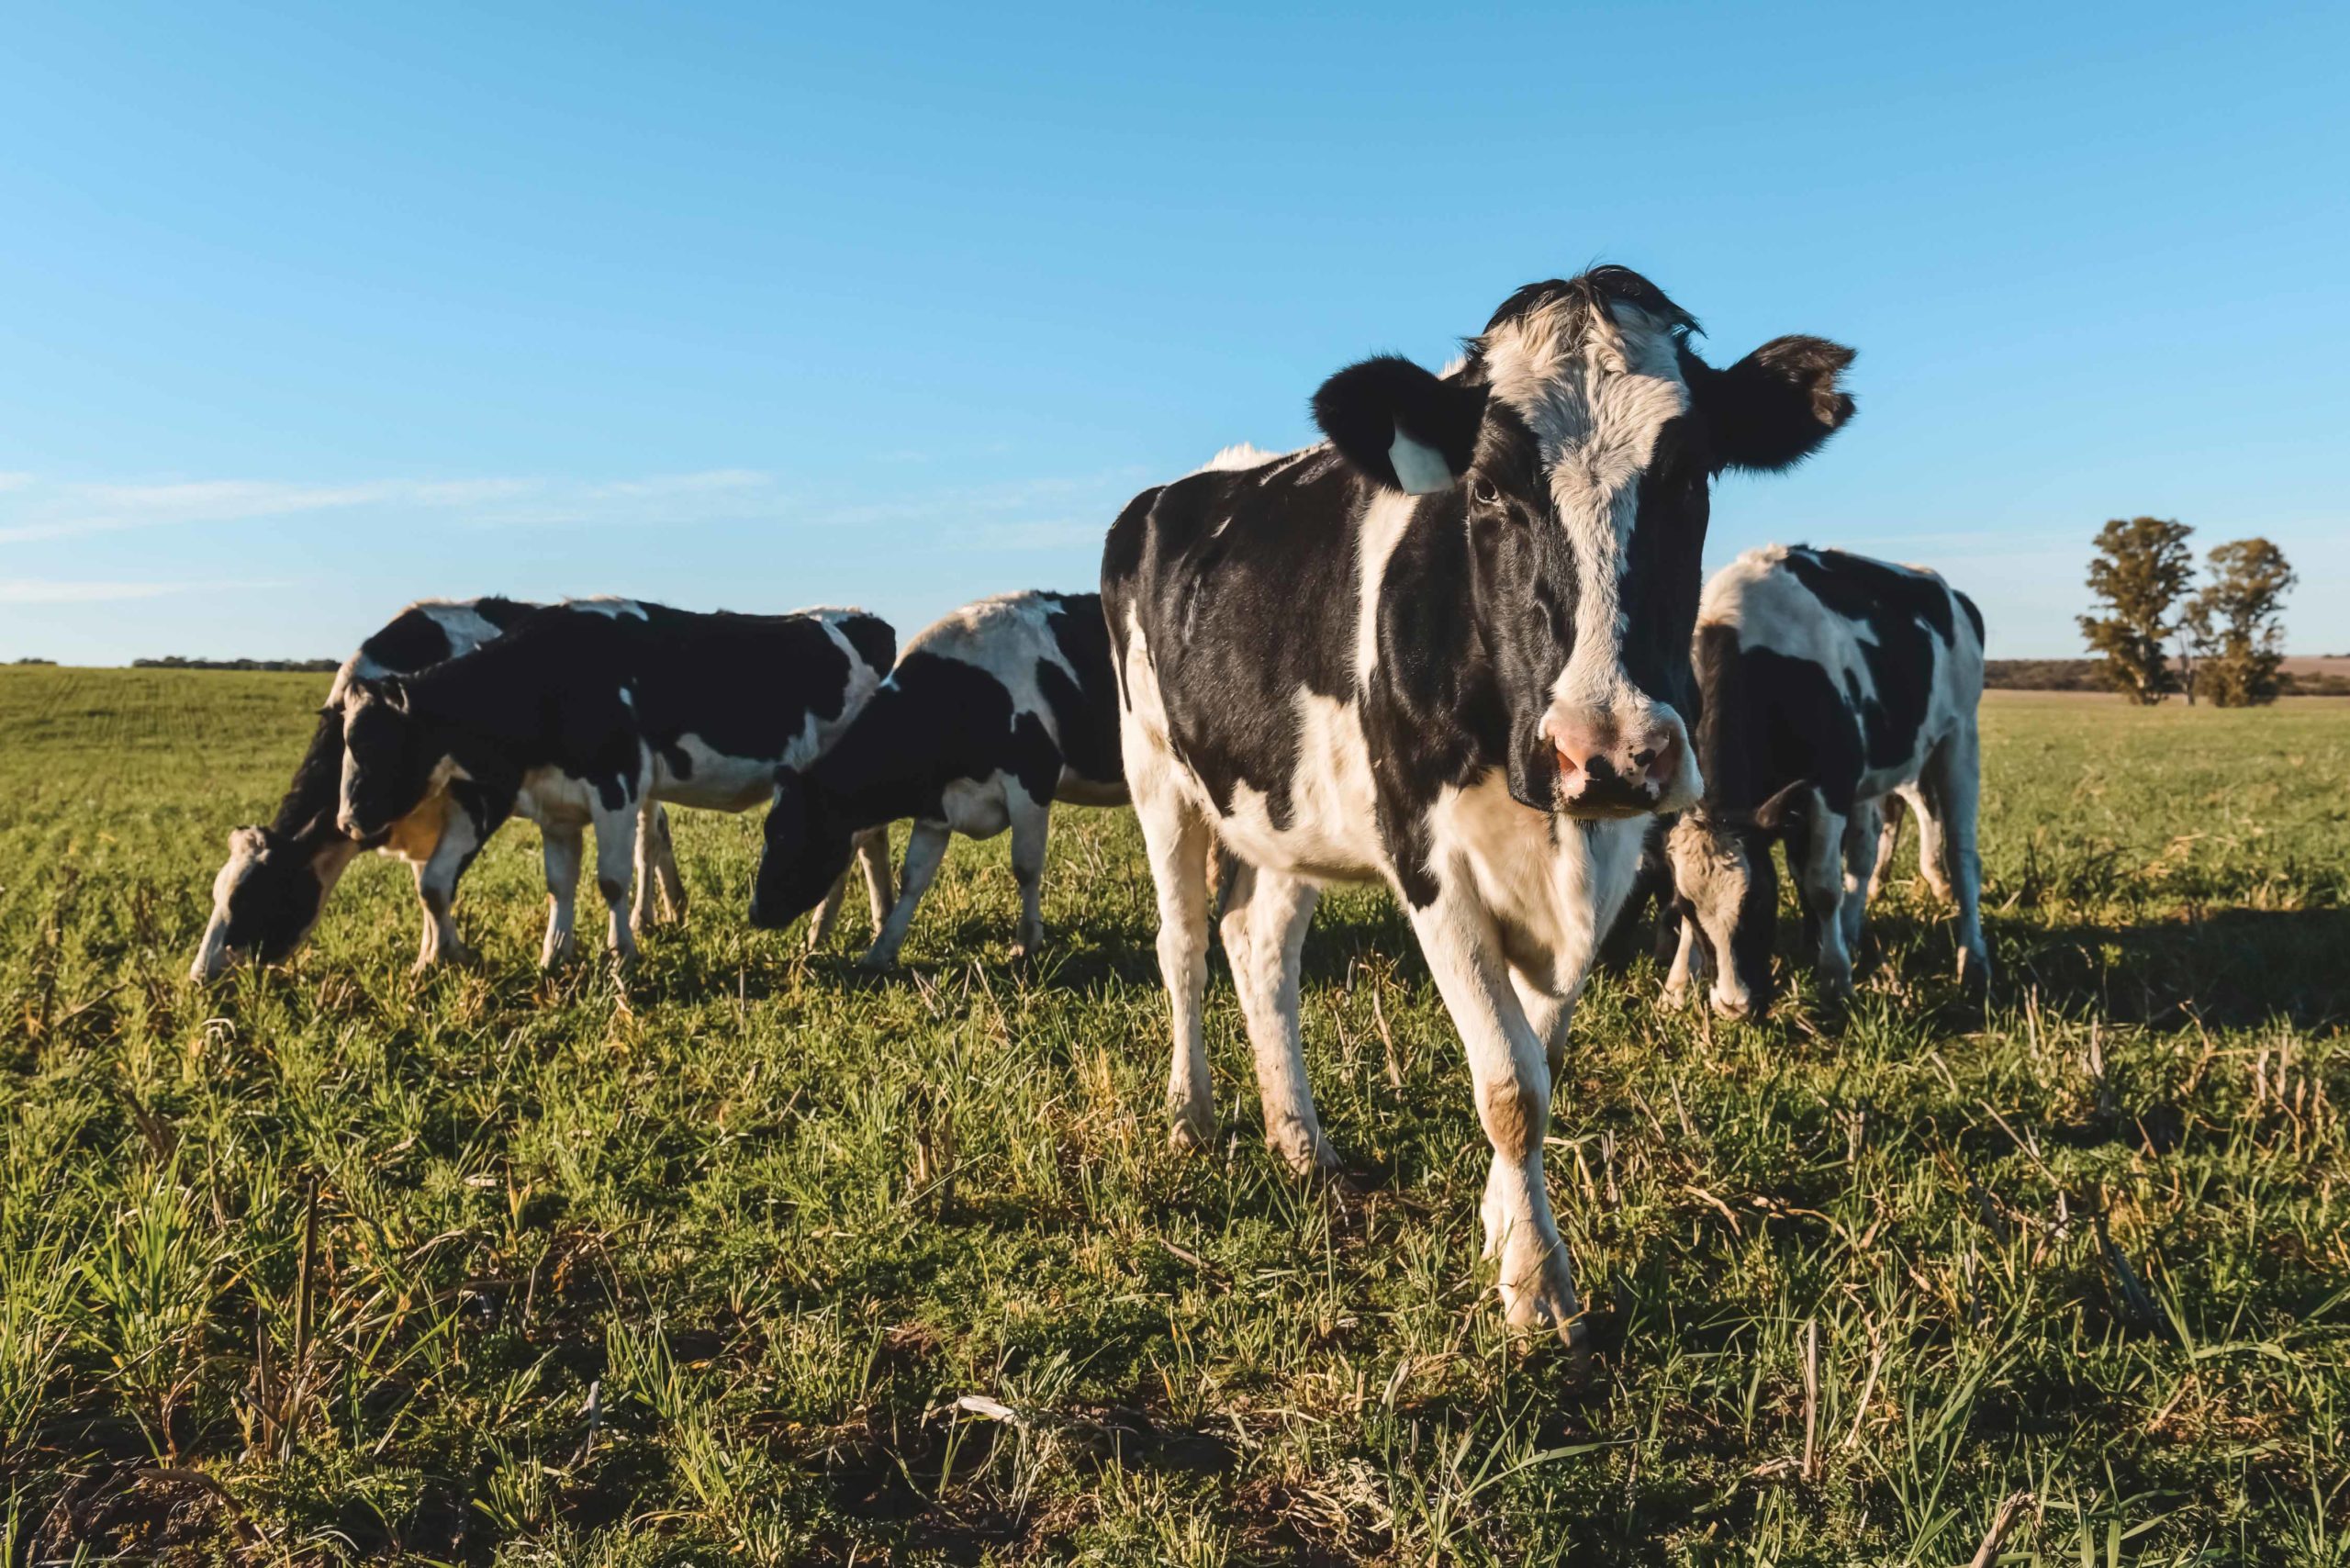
x=330 y=1262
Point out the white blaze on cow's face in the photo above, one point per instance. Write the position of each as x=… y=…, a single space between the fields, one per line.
x=1599 y=388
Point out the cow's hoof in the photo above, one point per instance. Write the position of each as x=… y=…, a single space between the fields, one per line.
x=876 y=963
x=1190 y=1134
x=1673 y=998
x=1546 y=1305
x=1315 y=1161
x=1975 y=971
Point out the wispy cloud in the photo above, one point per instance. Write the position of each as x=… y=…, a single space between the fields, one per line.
x=32 y=507
x=998 y=515
x=44 y=591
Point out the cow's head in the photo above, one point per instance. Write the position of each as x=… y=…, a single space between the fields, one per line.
x=1577 y=443
x=389 y=762
x=805 y=853
x=264 y=901
x=1726 y=885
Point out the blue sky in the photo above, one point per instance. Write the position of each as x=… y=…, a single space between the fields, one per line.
x=305 y=312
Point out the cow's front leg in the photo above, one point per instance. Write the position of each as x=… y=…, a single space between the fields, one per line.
x=827 y=910
x=924 y=852
x=1265 y=920
x=615 y=868
x=1820 y=880
x=561 y=849
x=1864 y=836
x=1513 y=1082
x=1688 y=966
x=436 y=888
x=1548 y=1014
x=1179 y=840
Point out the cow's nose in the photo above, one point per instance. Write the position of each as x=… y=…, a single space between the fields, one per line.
x=1605 y=767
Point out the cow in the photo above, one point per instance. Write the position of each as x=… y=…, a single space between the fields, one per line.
x=594 y=711
x=991 y=715
x=1448 y=650
x=269 y=892
x=1830 y=685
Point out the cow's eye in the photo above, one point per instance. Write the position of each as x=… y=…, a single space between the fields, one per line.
x=1484 y=492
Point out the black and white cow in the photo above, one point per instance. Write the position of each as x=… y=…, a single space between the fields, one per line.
x=991 y=715
x=1829 y=685
x=593 y=711
x=269 y=892
x=1448 y=650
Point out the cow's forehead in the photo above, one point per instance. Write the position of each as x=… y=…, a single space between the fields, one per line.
x=1549 y=362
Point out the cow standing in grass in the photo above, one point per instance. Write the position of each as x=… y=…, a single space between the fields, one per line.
x=992 y=714
x=269 y=892
x=1448 y=650
x=591 y=713
x=1831 y=684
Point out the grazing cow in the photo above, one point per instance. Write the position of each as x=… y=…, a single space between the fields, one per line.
x=1829 y=685
x=268 y=894
x=1448 y=650
x=592 y=711
x=992 y=714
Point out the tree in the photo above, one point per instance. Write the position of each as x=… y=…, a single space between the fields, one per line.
x=2234 y=620
x=2139 y=571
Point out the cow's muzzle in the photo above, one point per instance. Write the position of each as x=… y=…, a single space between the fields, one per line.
x=1611 y=769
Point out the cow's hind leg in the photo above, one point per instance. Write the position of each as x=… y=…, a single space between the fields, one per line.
x=1954 y=785
x=873 y=855
x=1265 y=920
x=1895 y=808
x=1032 y=823
x=1513 y=1082
x=561 y=849
x=1177 y=837
x=924 y=851
x=663 y=866
x=615 y=868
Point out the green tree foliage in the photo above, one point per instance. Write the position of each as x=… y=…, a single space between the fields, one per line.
x=2138 y=576
x=2234 y=622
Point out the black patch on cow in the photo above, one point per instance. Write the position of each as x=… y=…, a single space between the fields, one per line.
x=412 y=641
x=938 y=722
x=875 y=640
x=1974 y=616
x=1903 y=610
x=1245 y=590
x=1085 y=711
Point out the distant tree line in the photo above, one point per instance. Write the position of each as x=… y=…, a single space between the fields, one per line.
x=2229 y=635
x=176 y=661
x=2088 y=675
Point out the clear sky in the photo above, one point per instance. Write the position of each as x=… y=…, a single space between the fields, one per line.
x=307 y=311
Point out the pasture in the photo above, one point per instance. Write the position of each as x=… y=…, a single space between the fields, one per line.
x=746 y=1253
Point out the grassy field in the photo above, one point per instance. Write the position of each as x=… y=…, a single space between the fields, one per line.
x=697 y=1265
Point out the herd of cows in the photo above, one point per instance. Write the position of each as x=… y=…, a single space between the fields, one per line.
x=1463 y=647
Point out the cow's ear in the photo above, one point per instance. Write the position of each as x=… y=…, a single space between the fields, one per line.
x=1400 y=425
x=1776 y=407
x=1780 y=809
x=387 y=689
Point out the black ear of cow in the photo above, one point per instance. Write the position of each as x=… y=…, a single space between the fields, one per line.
x=1401 y=425
x=1782 y=808
x=1776 y=407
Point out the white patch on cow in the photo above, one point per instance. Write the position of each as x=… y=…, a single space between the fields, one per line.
x=608 y=604
x=1238 y=458
x=1556 y=884
x=1382 y=528
x=1420 y=469
x=1595 y=391
x=1332 y=834
x=716 y=782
